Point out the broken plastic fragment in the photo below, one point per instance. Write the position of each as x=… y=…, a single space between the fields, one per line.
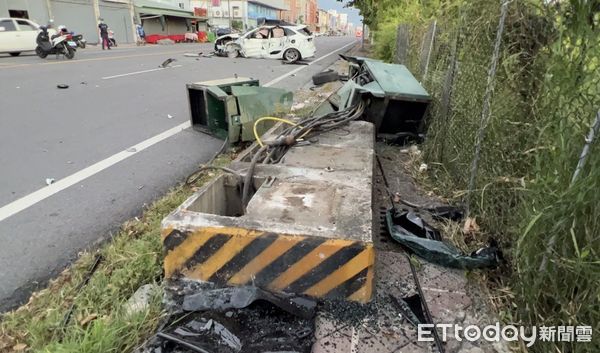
x=404 y=228
x=240 y=297
x=411 y=223
x=470 y=226
x=49 y=181
x=411 y=308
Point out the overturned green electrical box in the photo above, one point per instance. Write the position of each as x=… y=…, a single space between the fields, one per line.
x=228 y=108
x=396 y=101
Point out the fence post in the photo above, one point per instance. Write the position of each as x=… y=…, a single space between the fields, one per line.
x=594 y=129
x=402 y=43
x=447 y=88
x=487 y=98
x=427 y=48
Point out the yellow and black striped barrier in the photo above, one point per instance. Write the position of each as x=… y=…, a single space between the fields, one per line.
x=310 y=265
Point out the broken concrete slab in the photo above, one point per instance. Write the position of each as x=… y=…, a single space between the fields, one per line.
x=306 y=229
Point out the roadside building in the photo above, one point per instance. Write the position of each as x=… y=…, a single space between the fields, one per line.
x=80 y=16
x=333 y=21
x=311 y=14
x=343 y=22
x=173 y=19
x=293 y=11
x=301 y=12
x=267 y=9
x=322 y=21
x=242 y=14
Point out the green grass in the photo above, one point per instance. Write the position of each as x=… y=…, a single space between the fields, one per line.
x=131 y=259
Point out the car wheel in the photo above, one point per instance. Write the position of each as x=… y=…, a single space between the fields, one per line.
x=291 y=55
x=233 y=53
x=15 y=53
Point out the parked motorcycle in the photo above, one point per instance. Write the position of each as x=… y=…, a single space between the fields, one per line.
x=111 y=38
x=78 y=39
x=55 y=44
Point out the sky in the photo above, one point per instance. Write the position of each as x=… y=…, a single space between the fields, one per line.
x=339 y=6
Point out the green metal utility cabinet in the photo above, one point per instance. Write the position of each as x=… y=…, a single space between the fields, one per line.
x=398 y=103
x=228 y=108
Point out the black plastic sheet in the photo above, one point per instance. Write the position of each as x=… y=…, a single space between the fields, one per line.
x=408 y=229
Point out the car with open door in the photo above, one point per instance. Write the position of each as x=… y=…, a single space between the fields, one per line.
x=17 y=35
x=279 y=41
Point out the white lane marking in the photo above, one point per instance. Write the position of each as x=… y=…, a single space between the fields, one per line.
x=270 y=83
x=140 y=72
x=43 y=193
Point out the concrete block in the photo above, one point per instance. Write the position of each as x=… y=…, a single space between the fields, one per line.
x=306 y=229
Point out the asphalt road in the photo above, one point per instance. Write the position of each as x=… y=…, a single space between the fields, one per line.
x=82 y=137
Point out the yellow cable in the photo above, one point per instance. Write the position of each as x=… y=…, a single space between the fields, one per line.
x=269 y=118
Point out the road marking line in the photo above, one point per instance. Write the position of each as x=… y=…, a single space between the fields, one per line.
x=270 y=83
x=94 y=59
x=140 y=72
x=43 y=193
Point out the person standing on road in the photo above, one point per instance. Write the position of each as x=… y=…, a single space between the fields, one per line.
x=141 y=34
x=103 y=28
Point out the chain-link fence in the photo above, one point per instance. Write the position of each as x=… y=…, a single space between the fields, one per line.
x=516 y=88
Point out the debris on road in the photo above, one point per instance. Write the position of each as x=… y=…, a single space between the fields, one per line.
x=412 y=232
x=165 y=41
x=62 y=86
x=411 y=308
x=259 y=328
x=295 y=63
x=411 y=223
x=167 y=62
x=452 y=213
x=50 y=181
x=169 y=116
x=241 y=297
x=325 y=76
x=140 y=300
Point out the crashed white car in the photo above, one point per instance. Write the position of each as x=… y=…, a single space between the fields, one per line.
x=290 y=43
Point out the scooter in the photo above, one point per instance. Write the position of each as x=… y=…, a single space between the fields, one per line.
x=56 y=44
x=78 y=39
x=111 y=38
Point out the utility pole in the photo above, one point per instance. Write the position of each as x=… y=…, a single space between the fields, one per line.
x=245 y=5
x=49 y=5
x=362 y=40
x=229 y=10
x=96 y=8
x=133 y=19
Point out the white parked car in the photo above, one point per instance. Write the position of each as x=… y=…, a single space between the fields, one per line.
x=288 y=42
x=17 y=35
